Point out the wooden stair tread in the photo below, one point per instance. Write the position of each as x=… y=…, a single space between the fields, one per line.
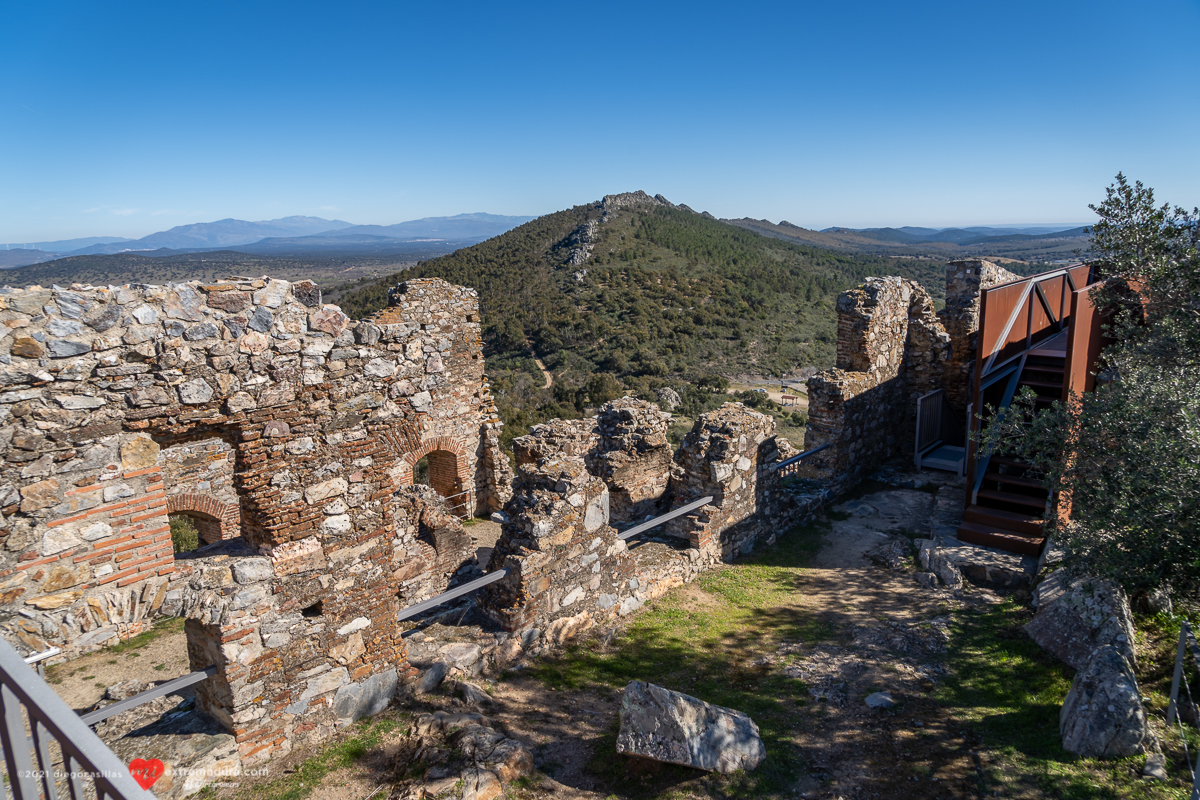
x=1040 y=384
x=1000 y=513
x=1009 y=461
x=1010 y=497
x=1015 y=480
x=992 y=529
x=1009 y=542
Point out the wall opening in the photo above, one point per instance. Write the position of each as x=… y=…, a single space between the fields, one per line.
x=421 y=471
x=185 y=535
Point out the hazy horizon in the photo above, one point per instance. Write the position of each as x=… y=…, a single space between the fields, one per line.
x=864 y=115
x=32 y=244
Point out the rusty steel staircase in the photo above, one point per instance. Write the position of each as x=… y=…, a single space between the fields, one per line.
x=1008 y=504
x=1025 y=341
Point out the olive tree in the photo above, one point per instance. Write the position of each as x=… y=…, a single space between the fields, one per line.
x=1126 y=457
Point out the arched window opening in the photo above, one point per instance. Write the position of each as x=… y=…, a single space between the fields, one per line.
x=185 y=537
x=421 y=471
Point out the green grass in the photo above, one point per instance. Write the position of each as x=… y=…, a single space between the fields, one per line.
x=368 y=735
x=1007 y=693
x=133 y=643
x=707 y=651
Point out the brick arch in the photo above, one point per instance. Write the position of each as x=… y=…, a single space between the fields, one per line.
x=448 y=475
x=218 y=521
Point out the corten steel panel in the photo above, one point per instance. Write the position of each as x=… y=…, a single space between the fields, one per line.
x=1084 y=342
x=998 y=304
x=1040 y=324
x=1081 y=275
x=1058 y=294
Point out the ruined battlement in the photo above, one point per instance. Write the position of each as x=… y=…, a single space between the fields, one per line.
x=893 y=347
x=288 y=432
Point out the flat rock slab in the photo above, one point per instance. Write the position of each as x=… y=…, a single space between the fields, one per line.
x=987 y=566
x=669 y=726
x=1076 y=616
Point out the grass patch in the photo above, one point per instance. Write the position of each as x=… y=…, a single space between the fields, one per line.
x=1007 y=693
x=705 y=644
x=368 y=734
x=166 y=626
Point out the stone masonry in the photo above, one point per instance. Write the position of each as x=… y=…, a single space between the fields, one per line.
x=890 y=351
x=893 y=348
x=568 y=571
x=965 y=282
x=252 y=394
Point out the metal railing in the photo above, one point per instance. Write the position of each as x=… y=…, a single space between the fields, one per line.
x=182 y=682
x=659 y=520
x=33 y=717
x=791 y=465
x=937 y=426
x=492 y=577
x=1187 y=643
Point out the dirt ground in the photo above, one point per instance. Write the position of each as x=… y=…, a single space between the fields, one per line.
x=82 y=681
x=887 y=632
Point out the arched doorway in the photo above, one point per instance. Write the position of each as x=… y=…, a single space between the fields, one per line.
x=441 y=465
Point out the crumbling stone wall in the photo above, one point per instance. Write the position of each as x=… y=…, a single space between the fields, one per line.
x=965 y=282
x=322 y=417
x=625 y=445
x=558 y=437
x=723 y=456
x=633 y=457
x=566 y=567
x=891 y=350
x=567 y=570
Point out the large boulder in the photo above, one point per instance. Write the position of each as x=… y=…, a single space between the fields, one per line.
x=1103 y=715
x=663 y=725
x=1076 y=616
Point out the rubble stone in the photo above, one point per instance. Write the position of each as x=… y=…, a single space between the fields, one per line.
x=669 y=726
x=1103 y=716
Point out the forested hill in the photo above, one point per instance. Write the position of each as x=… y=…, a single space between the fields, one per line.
x=637 y=288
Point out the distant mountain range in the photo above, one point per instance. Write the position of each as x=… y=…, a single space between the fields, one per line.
x=1040 y=243
x=286 y=235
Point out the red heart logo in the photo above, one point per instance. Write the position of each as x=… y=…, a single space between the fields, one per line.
x=146 y=772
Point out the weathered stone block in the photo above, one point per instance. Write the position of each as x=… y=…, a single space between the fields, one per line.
x=669 y=726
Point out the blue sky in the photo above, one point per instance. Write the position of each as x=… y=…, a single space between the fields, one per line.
x=127 y=118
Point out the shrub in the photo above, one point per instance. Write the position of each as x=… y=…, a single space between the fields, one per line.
x=184 y=535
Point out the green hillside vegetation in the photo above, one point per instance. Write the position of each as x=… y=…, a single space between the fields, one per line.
x=667 y=298
x=333 y=272
x=1025 y=254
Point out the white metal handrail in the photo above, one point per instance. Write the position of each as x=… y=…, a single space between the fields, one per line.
x=85 y=757
x=670 y=515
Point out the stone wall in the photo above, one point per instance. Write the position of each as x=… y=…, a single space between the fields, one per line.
x=891 y=350
x=568 y=571
x=723 y=456
x=965 y=282
x=564 y=560
x=625 y=445
x=633 y=457
x=111 y=400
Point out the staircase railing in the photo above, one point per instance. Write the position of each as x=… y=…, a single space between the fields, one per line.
x=937 y=425
x=34 y=716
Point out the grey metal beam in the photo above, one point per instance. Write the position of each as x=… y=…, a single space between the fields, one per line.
x=801 y=456
x=654 y=523
x=458 y=591
x=181 y=682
